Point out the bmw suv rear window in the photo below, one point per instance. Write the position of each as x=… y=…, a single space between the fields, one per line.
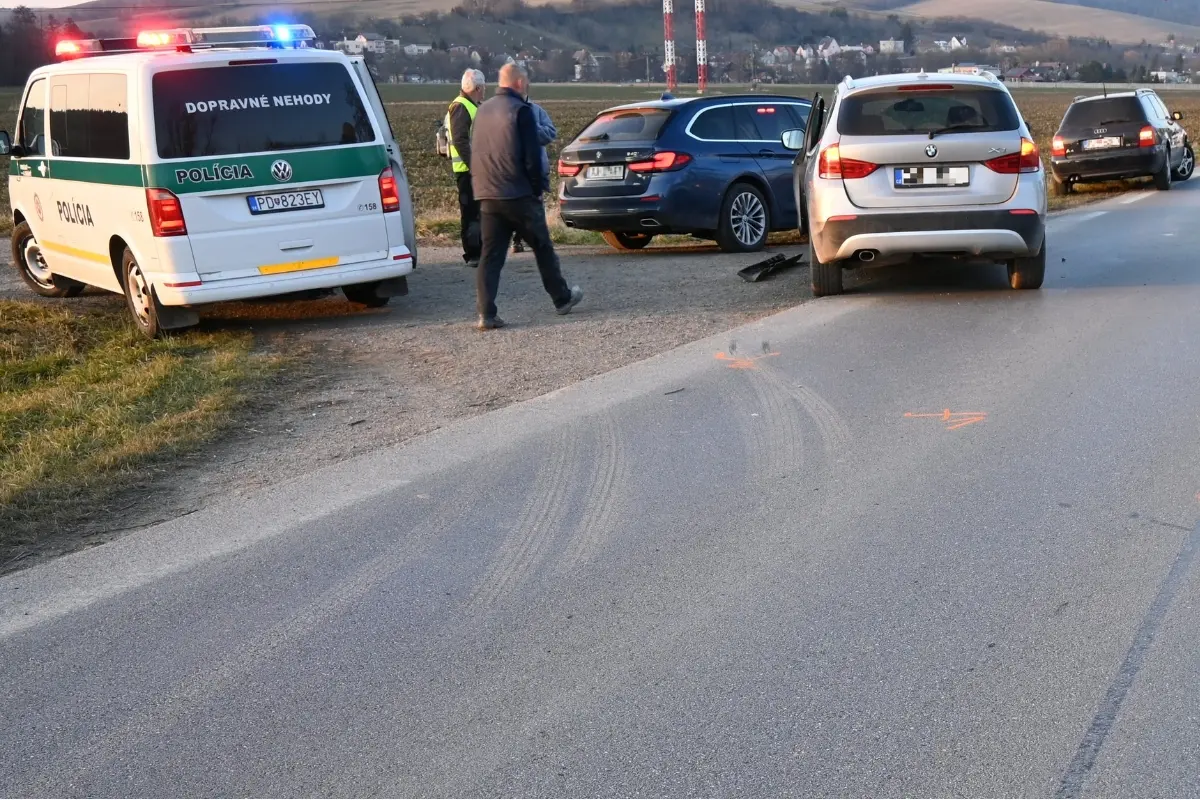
x=626 y=125
x=1110 y=111
x=254 y=108
x=894 y=112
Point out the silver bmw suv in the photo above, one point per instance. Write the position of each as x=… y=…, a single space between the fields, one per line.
x=914 y=165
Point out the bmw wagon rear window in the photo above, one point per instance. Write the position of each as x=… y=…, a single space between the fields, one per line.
x=626 y=125
x=1110 y=111
x=254 y=108
x=898 y=112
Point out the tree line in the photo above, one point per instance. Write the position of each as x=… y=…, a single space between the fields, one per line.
x=27 y=43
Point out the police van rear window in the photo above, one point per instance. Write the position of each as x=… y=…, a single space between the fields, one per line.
x=922 y=110
x=626 y=125
x=254 y=108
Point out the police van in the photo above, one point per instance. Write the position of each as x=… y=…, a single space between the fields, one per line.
x=197 y=166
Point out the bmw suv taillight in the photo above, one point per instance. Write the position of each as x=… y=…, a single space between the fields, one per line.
x=1147 y=137
x=666 y=161
x=166 y=214
x=389 y=193
x=1027 y=160
x=832 y=165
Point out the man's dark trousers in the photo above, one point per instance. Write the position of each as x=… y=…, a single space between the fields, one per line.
x=527 y=217
x=468 y=209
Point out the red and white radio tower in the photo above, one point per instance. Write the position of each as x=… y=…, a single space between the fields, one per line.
x=701 y=48
x=669 y=47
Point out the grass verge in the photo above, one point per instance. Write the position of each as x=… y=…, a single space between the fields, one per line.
x=86 y=404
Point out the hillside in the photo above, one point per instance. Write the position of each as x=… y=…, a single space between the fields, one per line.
x=1184 y=11
x=1059 y=19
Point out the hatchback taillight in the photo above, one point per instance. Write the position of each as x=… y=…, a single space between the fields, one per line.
x=166 y=214
x=1027 y=160
x=568 y=170
x=662 y=162
x=832 y=165
x=1147 y=137
x=389 y=193
x=1058 y=146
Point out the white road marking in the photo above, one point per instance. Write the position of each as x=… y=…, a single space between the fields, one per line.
x=1133 y=198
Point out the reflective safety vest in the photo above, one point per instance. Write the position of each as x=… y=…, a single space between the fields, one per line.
x=455 y=159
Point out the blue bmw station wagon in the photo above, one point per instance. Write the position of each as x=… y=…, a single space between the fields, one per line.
x=712 y=167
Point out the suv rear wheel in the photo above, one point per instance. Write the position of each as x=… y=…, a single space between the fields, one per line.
x=826 y=278
x=1188 y=165
x=27 y=255
x=627 y=241
x=1162 y=181
x=745 y=220
x=1028 y=273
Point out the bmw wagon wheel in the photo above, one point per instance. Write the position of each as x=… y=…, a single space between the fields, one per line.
x=745 y=220
x=139 y=296
x=35 y=272
x=1188 y=165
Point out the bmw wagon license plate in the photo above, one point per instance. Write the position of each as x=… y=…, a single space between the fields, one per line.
x=606 y=173
x=1102 y=144
x=917 y=177
x=285 y=201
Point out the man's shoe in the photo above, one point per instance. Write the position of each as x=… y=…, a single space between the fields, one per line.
x=490 y=323
x=518 y=248
x=473 y=263
x=576 y=299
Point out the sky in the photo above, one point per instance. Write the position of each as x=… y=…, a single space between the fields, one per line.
x=40 y=3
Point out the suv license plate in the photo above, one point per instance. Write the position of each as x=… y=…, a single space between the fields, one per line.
x=916 y=177
x=285 y=201
x=606 y=173
x=1102 y=144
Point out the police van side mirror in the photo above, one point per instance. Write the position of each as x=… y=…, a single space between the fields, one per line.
x=5 y=143
x=793 y=139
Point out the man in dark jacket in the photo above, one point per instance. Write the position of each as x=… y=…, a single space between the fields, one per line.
x=460 y=120
x=508 y=179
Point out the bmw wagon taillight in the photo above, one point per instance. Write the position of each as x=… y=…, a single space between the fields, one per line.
x=568 y=170
x=1027 y=160
x=662 y=162
x=1147 y=137
x=389 y=194
x=832 y=165
x=166 y=214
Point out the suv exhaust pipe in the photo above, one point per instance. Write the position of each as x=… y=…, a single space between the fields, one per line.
x=866 y=256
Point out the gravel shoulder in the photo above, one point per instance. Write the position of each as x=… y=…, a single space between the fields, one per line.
x=363 y=380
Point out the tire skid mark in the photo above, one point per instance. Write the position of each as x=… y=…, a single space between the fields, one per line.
x=776 y=436
x=609 y=478
x=209 y=679
x=545 y=511
x=830 y=423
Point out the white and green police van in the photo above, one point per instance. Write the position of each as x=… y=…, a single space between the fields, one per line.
x=206 y=165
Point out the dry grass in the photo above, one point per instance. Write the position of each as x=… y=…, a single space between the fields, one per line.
x=1058 y=19
x=86 y=403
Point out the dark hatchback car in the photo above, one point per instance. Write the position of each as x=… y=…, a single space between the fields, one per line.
x=711 y=167
x=1120 y=136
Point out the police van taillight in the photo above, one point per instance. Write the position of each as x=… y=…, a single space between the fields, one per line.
x=389 y=193
x=166 y=214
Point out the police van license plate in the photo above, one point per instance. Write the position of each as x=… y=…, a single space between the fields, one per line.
x=916 y=177
x=606 y=173
x=285 y=201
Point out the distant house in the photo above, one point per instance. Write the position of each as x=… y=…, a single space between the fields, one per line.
x=1020 y=75
x=767 y=58
x=958 y=43
x=806 y=54
x=891 y=47
x=416 y=50
x=828 y=48
x=1167 y=76
x=970 y=69
x=372 y=43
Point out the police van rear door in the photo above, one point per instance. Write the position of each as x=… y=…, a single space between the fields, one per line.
x=275 y=161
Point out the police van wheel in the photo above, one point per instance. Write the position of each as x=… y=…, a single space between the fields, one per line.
x=27 y=255
x=139 y=297
x=364 y=294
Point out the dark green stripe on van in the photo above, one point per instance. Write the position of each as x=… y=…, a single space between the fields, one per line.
x=105 y=172
x=249 y=172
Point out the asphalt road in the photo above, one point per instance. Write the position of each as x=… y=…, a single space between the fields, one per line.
x=932 y=538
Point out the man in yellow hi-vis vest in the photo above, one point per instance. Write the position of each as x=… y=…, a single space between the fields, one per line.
x=460 y=119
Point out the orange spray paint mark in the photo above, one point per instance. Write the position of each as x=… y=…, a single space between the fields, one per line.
x=952 y=420
x=742 y=362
